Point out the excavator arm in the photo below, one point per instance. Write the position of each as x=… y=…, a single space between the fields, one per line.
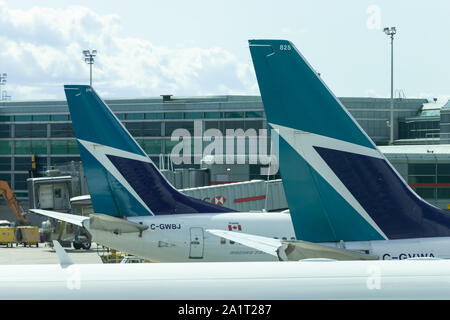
x=11 y=200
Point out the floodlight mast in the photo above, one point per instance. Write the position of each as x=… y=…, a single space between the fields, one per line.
x=89 y=59
x=391 y=32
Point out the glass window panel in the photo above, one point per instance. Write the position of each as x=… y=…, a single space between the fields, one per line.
x=72 y=147
x=6 y=118
x=64 y=147
x=5 y=147
x=5 y=131
x=443 y=179
x=134 y=116
x=151 y=146
x=173 y=115
x=193 y=115
x=234 y=114
x=61 y=130
x=22 y=163
x=5 y=164
x=443 y=193
x=5 y=177
x=39 y=147
x=421 y=168
x=211 y=125
x=31 y=147
x=152 y=129
x=20 y=181
x=169 y=145
x=443 y=169
x=120 y=116
x=22 y=118
x=144 y=129
x=254 y=114
x=213 y=115
x=154 y=115
x=172 y=126
x=41 y=117
x=23 y=147
x=31 y=130
x=421 y=179
x=59 y=117
x=58 y=147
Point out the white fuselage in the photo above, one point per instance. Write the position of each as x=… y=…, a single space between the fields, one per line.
x=225 y=280
x=183 y=238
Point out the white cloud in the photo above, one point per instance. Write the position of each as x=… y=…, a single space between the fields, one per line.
x=42 y=51
x=372 y=94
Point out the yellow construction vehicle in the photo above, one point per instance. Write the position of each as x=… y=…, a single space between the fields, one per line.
x=11 y=200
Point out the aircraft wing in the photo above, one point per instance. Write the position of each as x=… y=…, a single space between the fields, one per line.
x=71 y=218
x=291 y=250
x=264 y=244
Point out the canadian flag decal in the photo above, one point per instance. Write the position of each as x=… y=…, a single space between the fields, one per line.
x=219 y=200
x=234 y=226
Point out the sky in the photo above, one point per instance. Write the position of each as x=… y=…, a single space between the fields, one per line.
x=200 y=47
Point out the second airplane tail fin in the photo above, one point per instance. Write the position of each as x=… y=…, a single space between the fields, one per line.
x=122 y=179
x=338 y=185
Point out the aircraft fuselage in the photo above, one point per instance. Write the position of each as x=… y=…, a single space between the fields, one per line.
x=183 y=238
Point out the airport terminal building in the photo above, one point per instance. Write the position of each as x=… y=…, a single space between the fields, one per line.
x=43 y=129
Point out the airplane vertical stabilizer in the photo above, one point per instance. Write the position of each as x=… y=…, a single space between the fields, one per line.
x=338 y=185
x=122 y=179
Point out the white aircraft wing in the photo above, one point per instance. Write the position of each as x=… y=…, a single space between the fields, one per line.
x=264 y=244
x=291 y=250
x=71 y=218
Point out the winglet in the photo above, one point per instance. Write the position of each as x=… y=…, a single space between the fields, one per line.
x=64 y=259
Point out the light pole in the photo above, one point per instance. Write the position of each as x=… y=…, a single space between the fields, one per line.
x=89 y=59
x=390 y=32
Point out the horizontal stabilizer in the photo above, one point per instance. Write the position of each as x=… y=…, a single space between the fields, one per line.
x=64 y=259
x=67 y=217
x=109 y=223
